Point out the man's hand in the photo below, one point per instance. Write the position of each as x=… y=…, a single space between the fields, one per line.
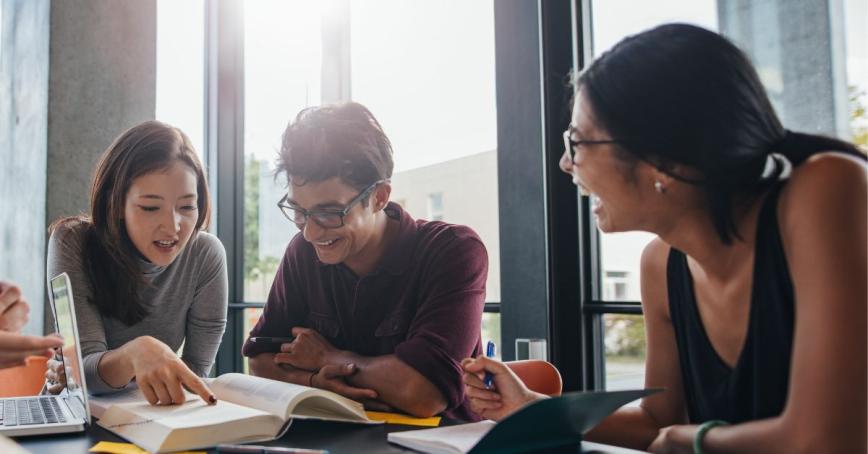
x=13 y=308
x=309 y=351
x=331 y=378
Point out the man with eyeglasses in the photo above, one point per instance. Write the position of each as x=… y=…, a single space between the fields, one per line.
x=382 y=307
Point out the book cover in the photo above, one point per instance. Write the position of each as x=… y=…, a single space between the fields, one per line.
x=546 y=424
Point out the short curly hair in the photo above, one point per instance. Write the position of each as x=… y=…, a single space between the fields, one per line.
x=339 y=140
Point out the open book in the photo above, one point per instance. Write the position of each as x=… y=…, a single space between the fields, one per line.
x=546 y=424
x=248 y=409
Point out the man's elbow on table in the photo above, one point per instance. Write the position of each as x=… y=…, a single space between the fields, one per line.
x=421 y=400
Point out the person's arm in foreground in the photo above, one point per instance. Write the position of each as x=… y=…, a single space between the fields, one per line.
x=823 y=225
x=14 y=347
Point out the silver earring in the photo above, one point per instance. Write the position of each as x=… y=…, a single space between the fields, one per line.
x=659 y=187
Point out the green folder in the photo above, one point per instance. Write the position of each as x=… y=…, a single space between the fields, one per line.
x=555 y=424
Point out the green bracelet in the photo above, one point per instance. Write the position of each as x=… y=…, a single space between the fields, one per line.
x=703 y=429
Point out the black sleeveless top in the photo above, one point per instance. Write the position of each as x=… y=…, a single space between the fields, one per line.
x=757 y=387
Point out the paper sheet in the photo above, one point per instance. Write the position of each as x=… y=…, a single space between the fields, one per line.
x=127 y=448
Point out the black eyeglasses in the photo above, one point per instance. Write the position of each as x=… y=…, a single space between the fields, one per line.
x=570 y=145
x=327 y=219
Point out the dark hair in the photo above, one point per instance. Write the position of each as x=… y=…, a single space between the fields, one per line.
x=109 y=253
x=339 y=140
x=680 y=94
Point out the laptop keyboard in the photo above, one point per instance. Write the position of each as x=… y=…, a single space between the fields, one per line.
x=34 y=410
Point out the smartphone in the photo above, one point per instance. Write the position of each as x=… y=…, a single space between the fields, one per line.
x=271 y=343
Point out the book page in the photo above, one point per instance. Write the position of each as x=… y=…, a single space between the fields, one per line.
x=450 y=439
x=271 y=396
x=99 y=404
x=319 y=404
x=192 y=413
x=286 y=399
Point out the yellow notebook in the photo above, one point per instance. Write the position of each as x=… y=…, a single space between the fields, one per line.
x=407 y=420
x=126 y=448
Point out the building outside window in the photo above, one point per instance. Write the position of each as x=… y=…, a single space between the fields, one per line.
x=181 y=68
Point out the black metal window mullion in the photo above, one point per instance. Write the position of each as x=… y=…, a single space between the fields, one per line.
x=556 y=40
x=224 y=132
x=593 y=308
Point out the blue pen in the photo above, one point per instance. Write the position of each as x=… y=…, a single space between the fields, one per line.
x=490 y=351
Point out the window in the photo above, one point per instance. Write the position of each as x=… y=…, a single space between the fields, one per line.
x=282 y=63
x=491 y=330
x=181 y=68
x=813 y=87
x=624 y=346
x=617 y=284
x=251 y=316
x=435 y=206
x=426 y=71
x=855 y=13
x=413 y=64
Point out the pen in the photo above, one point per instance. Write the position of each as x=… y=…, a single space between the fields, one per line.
x=267 y=449
x=490 y=351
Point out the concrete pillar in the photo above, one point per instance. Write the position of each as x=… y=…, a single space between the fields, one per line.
x=23 y=131
x=798 y=50
x=76 y=73
x=102 y=81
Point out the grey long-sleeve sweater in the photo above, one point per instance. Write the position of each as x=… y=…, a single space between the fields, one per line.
x=187 y=303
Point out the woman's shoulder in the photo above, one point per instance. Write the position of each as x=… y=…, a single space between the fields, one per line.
x=206 y=246
x=68 y=232
x=652 y=277
x=829 y=166
x=825 y=181
x=655 y=255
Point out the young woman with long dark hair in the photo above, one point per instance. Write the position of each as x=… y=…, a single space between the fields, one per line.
x=146 y=276
x=754 y=292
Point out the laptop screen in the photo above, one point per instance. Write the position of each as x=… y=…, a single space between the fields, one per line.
x=70 y=354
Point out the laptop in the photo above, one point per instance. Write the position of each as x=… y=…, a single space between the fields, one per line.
x=68 y=410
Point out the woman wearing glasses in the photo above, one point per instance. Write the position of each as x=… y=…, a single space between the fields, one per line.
x=754 y=292
x=382 y=307
x=145 y=276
